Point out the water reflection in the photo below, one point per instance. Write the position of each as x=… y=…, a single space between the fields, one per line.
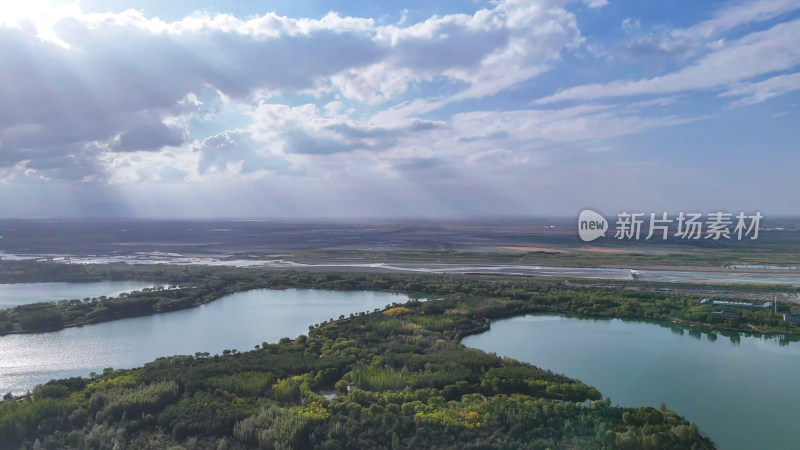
x=236 y=321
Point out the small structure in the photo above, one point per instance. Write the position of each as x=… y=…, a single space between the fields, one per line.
x=727 y=314
x=792 y=319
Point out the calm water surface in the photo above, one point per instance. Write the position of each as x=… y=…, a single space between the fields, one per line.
x=744 y=392
x=25 y=293
x=236 y=321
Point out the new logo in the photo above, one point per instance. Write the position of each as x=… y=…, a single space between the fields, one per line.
x=591 y=225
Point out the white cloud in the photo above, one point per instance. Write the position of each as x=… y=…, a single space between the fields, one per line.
x=488 y=51
x=376 y=83
x=235 y=152
x=764 y=90
x=596 y=3
x=305 y=130
x=321 y=113
x=569 y=125
x=107 y=82
x=686 y=42
x=738 y=14
x=630 y=25
x=755 y=54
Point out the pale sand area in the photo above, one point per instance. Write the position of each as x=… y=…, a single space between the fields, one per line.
x=535 y=249
x=608 y=250
x=588 y=249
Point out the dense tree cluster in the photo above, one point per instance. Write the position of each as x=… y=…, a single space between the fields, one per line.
x=398 y=378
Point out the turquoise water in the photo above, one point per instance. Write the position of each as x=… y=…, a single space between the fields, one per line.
x=25 y=293
x=237 y=321
x=743 y=392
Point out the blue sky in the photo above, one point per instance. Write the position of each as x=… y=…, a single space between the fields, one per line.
x=388 y=109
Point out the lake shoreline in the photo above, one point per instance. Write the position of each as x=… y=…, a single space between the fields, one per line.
x=699 y=326
x=235 y=321
x=650 y=362
x=406 y=362
x=206 y=287
x=688 y=325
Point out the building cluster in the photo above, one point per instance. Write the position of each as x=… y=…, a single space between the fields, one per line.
x=732 y=310
x=792 y=319
x=737 y=305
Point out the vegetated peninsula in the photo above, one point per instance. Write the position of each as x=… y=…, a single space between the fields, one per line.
x=197 y=285
x=397 y=378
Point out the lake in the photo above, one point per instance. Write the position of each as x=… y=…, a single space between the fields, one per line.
x=743 y=392
x=237 y=321
x=24 y=293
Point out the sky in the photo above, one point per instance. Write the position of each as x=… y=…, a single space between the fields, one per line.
x=440 y=109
